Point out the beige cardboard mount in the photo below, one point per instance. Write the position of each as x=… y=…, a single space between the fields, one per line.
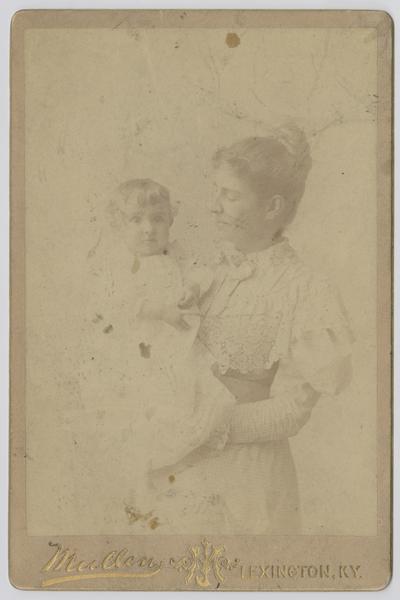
x=100 y=97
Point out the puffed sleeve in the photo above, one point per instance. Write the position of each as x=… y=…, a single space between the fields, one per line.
x=321 y=338
x=318 y=361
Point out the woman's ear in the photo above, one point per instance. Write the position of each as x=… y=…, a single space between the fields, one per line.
x=275 y=207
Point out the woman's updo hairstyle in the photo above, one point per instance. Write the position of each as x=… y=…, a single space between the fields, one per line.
x=277 y=163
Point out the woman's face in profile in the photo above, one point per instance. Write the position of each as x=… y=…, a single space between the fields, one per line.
x=239 y=213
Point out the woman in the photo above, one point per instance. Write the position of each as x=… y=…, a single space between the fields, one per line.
x=277 y=332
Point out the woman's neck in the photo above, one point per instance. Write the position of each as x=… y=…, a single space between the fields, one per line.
x=258 y=245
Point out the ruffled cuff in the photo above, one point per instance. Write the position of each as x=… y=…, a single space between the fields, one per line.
x=273 y=419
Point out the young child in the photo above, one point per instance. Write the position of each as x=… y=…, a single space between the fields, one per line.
x=159 y=399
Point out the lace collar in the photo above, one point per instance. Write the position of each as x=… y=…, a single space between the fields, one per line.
x=243 y=266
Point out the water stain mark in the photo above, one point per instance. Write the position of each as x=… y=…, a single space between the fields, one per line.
x=135 y=515
x=154 y=523
x=108 y=329
x=93 y=250
x=136 y=263
x=232 y=40
x=145 y=350
x=120 y=23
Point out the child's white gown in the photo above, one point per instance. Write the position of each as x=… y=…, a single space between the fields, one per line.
x=150 y=399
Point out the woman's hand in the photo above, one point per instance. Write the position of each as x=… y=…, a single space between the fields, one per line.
x=191 y=295
x=170 y=313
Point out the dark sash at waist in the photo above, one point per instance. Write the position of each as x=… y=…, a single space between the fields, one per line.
x=249 y=387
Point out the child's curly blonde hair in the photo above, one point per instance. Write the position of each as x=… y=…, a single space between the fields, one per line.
x=145 y=192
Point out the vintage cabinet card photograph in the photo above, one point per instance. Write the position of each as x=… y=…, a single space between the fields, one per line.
x=201 y=243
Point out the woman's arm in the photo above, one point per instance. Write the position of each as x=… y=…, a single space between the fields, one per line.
x=318 y=362
x=278 y=417
x=286 y=412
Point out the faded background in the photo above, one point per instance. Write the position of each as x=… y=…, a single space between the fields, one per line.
x=105 y=105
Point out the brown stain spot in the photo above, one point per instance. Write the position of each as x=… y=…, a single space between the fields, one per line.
x=171 y=478
x=145 y=350
x=120 y=23
x=132 y=514
x=136 y=263
x=232 y=40
x=108 y=329
x=135 y=515
x=98 y=317
x=154 y=523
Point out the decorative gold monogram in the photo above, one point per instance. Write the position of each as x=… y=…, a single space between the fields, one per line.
x=203 y=561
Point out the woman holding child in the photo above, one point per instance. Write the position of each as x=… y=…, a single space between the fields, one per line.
x=277 y=333
x=263 y=337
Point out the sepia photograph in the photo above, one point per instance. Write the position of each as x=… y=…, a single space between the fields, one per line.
x=201 y=270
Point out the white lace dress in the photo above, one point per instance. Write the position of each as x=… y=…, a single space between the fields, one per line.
x=280 y=338
x=150 y=397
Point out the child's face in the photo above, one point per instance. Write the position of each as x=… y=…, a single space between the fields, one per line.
x=147 y=228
